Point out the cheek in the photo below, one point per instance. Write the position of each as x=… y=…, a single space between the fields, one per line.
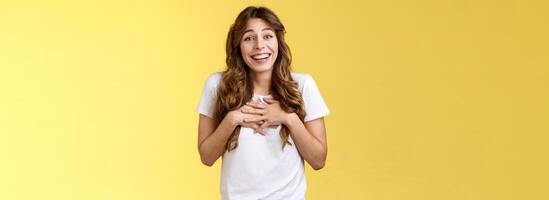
x=244 y=49
x=274 y=45
x=274 y=48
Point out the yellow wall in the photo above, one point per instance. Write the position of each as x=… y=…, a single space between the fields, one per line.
x=430 y=99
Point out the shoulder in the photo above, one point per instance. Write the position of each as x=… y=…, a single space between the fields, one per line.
x=214 y=77
x=209 y=95
x=212 y=83
x=213 y=80
x=301 y=79
x=314 y=104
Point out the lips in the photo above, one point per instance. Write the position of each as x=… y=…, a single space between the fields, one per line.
x=261 y=56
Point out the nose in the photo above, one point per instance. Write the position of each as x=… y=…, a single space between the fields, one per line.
x=259 y=44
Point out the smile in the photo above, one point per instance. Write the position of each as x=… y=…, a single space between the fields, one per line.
x=261 y=56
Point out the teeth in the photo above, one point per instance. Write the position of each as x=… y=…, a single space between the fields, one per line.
x=261 y=56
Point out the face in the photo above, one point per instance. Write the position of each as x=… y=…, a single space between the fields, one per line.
x=259 y=46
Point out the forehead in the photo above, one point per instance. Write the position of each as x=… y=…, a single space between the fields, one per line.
x=257 y=25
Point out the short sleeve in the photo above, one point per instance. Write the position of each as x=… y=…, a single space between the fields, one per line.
x=315 y=107
x=209 y=96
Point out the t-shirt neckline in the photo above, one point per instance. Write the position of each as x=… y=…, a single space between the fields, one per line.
x=263 y=96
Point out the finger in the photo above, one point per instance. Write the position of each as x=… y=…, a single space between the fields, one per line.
x=254 y=119
x=270 y=100
x=260 y=132
x=253 y=111
x=245 y=107
x=251 y=102
x=256 y=129
x=253 y=126
x=256 y=104
x=250 y=125
x=249 y=112
x=263 y=126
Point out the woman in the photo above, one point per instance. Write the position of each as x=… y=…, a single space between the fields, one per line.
x=261 y=117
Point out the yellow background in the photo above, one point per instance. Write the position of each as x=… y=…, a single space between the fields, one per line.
x=430 y=99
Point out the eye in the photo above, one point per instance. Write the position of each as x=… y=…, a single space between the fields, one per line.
x=248 y=38
x=268 y=36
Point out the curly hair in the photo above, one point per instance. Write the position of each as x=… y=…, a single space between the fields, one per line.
x=236 y=87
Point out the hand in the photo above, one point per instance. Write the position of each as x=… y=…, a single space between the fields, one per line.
x=270 y=114
x=237 y=117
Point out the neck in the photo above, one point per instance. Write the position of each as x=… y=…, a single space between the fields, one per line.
x=262 y=82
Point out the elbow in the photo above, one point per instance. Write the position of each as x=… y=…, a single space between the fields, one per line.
x=319 y=162
x=207 y=162
x=318 y=165
x=204 y=159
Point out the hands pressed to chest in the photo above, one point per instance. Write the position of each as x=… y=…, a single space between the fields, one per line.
x=258 y=115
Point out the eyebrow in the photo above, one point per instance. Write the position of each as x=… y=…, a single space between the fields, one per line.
x=250 y=30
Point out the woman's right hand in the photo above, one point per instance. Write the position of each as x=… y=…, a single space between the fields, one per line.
x=237 y=117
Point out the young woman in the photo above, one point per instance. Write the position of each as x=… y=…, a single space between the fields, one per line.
x=261 y=117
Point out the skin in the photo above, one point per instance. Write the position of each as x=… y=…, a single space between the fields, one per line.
x=309 y=137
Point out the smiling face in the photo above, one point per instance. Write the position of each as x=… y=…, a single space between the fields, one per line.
x=259 y=46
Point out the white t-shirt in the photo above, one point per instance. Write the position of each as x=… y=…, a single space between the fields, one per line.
x=259 y=168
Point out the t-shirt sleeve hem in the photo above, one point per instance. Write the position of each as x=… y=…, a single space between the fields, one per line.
x=205 y=113
x=316 y=116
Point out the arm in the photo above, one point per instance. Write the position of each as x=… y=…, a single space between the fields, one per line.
x=212 y=138
x=310 y=138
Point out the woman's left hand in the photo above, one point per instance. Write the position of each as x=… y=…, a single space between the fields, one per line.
x=271 y=114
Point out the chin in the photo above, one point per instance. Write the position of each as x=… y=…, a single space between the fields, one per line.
x=262 y=68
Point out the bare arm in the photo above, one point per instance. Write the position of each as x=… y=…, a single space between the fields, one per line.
x=212 y=138
x=310 y=138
